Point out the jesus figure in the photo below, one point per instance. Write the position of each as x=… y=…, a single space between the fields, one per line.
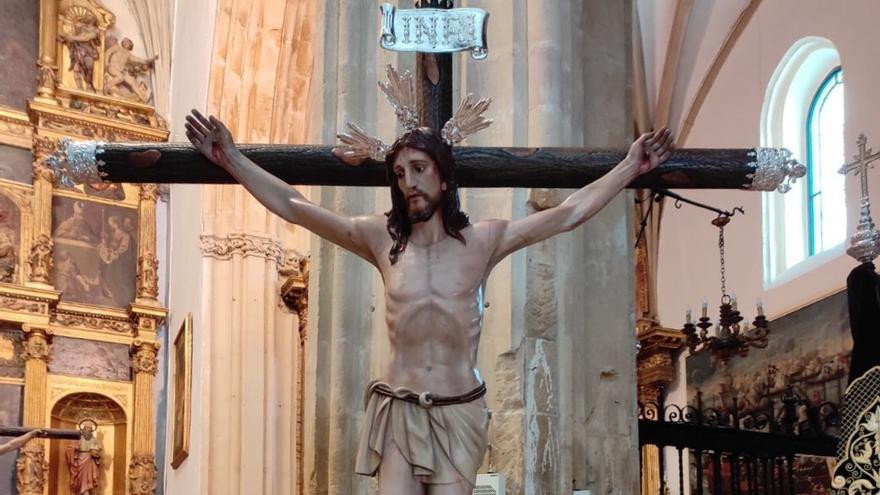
x=426 y=424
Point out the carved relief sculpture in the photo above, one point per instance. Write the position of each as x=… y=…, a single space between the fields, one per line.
x=82 y=42
x=124 y=70
x=31 y=469
x=40 y=259
x=143 y=359
x=142 y=475
x=8 y=257
x=147 y=277
x=43 y=149
x=47 y=78
x=36 y=343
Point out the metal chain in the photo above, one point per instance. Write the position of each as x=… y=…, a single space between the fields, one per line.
x=721 y=249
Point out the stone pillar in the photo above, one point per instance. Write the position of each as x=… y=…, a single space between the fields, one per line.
x=32 y=466
x=249 y=341
x=607 y=414
x=142 y=471
x=344 y=305
x=40 y=256
x=564 y=411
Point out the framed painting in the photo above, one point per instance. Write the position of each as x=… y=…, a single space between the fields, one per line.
x=182 y=392
x=95 y=251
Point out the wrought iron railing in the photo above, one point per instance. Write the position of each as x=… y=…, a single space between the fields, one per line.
x=733 y=451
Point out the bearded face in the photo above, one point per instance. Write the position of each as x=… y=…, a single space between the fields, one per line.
x=419 y=180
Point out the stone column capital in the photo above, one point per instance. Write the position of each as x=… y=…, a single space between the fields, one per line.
x=149 y=192
x=143 y=356
x=36 y=343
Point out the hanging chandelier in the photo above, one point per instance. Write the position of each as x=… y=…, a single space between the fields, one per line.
x=732 y=335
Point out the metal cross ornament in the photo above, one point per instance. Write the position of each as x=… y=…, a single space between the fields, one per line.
x=865 y=242
x=434 y=30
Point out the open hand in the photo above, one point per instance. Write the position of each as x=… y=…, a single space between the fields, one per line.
x=35 y=433
x=210 y=137
x=650 y=150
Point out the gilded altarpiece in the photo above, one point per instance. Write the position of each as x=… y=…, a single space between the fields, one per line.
x=79 y=313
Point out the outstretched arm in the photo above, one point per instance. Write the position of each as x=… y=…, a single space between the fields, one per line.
x=645 y=154
x=19 y=441
x=214 y=141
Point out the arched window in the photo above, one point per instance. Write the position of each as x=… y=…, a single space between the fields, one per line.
x=804 y=112
x=825 y=155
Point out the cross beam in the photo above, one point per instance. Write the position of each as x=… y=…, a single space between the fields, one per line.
x=763 y=169
x=17 y=431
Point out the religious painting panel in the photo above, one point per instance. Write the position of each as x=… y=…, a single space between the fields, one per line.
x=11 y=361
x=95 y=251
x=19 y=50
x=90 y=358
x=16 y=164
x=10 y=237
x=182 y=391
x=10 y=415
x=808 y=352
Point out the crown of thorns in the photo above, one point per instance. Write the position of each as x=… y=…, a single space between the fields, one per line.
x=357 y=145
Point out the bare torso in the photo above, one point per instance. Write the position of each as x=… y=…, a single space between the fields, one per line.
x=434 y=298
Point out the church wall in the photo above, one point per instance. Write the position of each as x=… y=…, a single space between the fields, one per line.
x=236 y=255
x=194 y=20
x=689 y=259
x=731 y=118
x=126 y=25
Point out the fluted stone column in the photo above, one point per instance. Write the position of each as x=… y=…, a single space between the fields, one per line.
x=555 y=82
x=342 y=288
x=250 y=342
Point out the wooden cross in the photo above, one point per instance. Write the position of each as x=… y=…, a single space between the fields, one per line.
x=434 y=30
x=17 y=431
x=865 y=242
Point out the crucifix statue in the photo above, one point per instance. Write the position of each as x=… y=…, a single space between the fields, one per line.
x=426 y=423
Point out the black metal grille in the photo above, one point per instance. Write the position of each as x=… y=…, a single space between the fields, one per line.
x=729 y=452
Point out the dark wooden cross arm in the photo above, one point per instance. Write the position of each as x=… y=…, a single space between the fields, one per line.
x=762 y=169
x=17 y=431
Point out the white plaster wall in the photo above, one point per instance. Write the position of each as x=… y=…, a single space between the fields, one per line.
x=731 y=118
x=126 y=25
x=193 y=20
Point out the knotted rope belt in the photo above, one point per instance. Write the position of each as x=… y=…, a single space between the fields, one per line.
x=424 y=399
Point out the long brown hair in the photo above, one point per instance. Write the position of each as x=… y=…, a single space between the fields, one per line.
x=428 y=141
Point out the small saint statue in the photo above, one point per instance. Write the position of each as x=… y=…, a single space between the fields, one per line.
x=83 y=460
